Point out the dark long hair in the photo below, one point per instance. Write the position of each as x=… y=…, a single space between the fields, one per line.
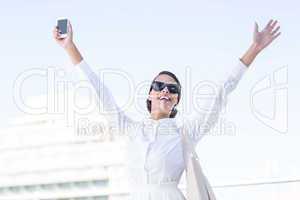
x=174 y=110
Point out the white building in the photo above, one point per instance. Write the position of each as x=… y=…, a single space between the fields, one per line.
x=42 y=159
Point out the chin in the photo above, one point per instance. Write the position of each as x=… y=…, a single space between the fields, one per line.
x=165 y=112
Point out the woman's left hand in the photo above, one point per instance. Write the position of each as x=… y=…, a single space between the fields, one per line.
x=261 y=39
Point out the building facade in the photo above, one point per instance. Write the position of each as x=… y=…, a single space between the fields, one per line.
x=41 y=159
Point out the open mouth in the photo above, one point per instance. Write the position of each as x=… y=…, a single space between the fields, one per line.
x=164 y=98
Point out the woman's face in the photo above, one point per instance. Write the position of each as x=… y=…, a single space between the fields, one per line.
x=163 y=101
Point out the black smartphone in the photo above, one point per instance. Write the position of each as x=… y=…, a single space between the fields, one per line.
x=62 y=24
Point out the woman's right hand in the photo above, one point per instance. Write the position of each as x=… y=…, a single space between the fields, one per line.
x=68 y=40
x=68 y=44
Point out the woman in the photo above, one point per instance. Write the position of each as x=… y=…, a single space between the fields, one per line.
x=155 y=161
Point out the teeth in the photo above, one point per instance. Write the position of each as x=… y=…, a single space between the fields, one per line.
x=164 y=98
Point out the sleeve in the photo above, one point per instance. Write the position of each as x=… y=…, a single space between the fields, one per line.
x=205 y=120
x=117 y=120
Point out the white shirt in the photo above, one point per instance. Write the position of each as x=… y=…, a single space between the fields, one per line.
x=154 y=149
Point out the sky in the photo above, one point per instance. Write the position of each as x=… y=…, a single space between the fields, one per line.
x=197 y=40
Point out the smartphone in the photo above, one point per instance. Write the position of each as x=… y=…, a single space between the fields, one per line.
x=62 y=24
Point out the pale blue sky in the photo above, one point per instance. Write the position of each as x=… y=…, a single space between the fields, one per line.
x=137 y=36
x=143 y=38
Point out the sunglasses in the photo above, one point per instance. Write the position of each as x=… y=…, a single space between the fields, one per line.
x=159 y=86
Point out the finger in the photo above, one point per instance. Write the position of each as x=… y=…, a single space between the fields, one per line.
x=255 y=28
x=55 y=29
x=275 y=31
x=70 y=30
x=56 y=35
x=273 y=25
x=69 y=25
x=276 y=36
x=269 y=24
x=55 y=32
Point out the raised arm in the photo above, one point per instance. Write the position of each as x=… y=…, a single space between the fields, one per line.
x=68 y=45
x=117 y=119
x=261 y=39
x=207 y=119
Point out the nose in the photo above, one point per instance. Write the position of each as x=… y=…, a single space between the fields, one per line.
x=165 y=90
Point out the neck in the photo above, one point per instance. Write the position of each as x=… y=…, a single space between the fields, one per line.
x=158 y=115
